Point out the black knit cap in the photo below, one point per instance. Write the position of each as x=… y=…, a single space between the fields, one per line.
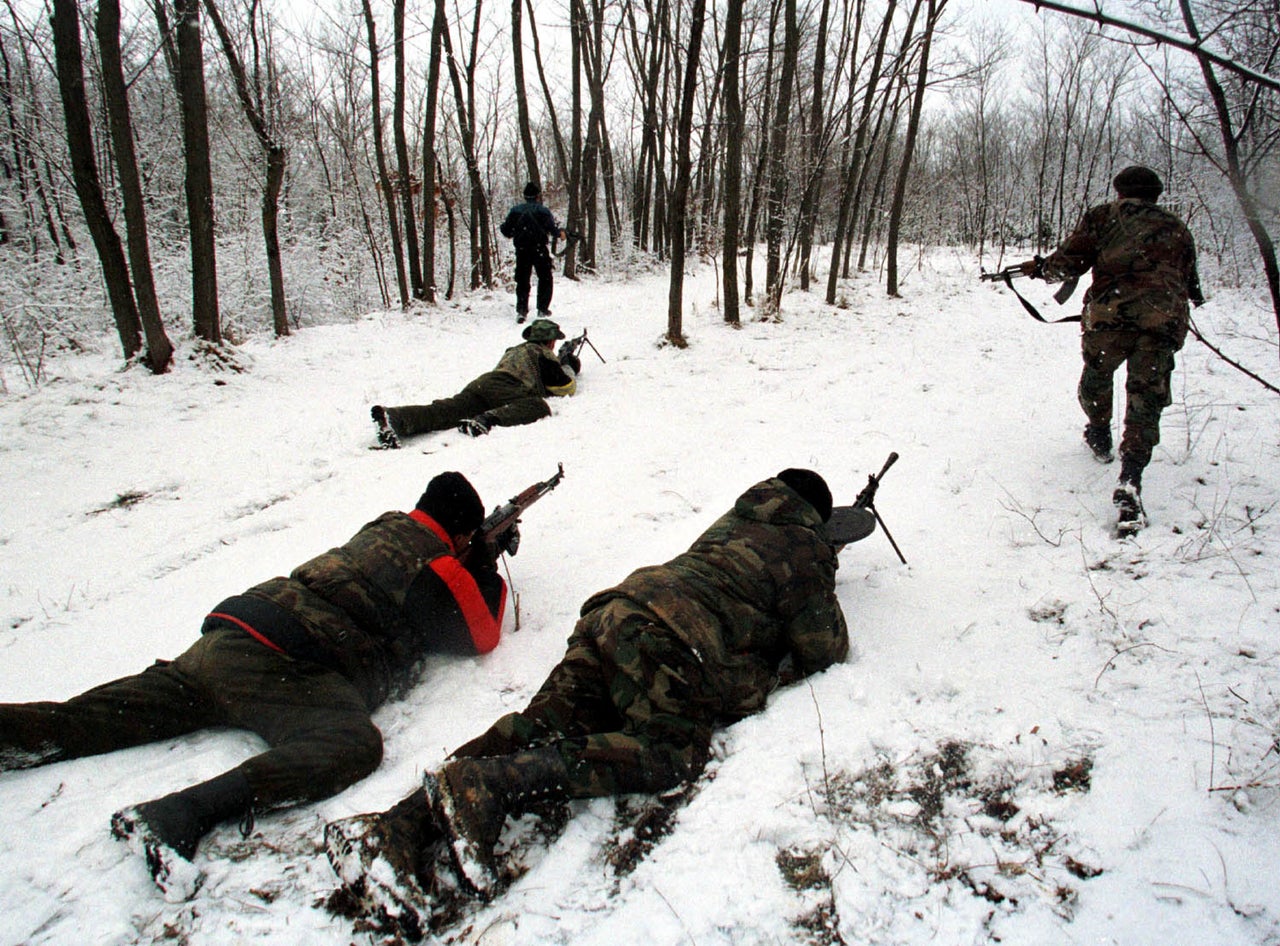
x=532 y=190
x=812 y=489
x=454 y=503
x=1138 y=181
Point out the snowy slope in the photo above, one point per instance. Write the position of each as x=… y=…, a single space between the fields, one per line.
x=1034 y=742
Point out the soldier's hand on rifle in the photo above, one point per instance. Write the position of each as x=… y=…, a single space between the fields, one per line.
x=479 y=555
x=1033 y=267
x=570 y=360
x=509 y=541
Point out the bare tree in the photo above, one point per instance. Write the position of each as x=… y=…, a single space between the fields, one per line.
x=775 y=219
x=909 y=144
x=388 y=187
x=159 y=350
x=189 y=51
x=732 y=158
x=71 y=82
x=684 y=161
x=253 y=99
x=522 y=100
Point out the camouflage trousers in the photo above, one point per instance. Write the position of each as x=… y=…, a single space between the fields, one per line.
x=1150 y=362
x=316 y=724
x=628 y=708
x=503 y=396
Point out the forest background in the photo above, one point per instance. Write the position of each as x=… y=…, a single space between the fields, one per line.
x=195 y=172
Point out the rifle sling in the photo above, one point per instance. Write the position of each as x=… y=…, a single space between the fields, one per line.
x=1031 y=310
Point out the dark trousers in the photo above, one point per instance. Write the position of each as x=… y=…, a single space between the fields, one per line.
x=1149 y=361
x=316 y=724
x=627 y=707
x=528 y=262
x=497 y=393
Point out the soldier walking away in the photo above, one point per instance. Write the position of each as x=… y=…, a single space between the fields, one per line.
x=513 y=393
x=302 y=661
x=1143 y=260
x=652 y=667
x=528 y=225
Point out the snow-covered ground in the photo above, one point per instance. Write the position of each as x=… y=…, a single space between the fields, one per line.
x=1045 y=735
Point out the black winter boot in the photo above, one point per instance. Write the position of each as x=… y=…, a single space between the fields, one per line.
x=388 y=439
x=472 y=798
x=167 y=831
x=1098 y=439
x=386 y=860
x=1127 y=498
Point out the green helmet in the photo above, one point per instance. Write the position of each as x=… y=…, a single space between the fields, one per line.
x=542 y=330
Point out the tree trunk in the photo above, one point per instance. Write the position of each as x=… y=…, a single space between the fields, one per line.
x=206 y=319
x=815 y=170
x=847 y=216
x=732 y=158
x=1235 y=172
x=69 y=60
x=430 y=181
x=404 y=170
x=255 y=110
x=159 y=354
x=385 y=184
x=775 y=220
x=680 y=191
x=909 y=145
x=483 y=275
x=522 y=100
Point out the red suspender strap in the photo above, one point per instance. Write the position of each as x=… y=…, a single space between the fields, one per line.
x=423 y=519
x=483 y=626
x=252 y=632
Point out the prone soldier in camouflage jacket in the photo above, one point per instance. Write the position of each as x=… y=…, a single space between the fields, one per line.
x=513 y=393
x=1143 y=260
x=652 y=667
x=302 y=661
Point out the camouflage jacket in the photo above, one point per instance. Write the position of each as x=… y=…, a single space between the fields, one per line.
x=537 y=368
x=756 y=587
x=373 y=608
x=1144 y=267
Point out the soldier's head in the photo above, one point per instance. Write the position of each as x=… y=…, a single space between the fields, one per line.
x=1140 y=182
x=543 y=331
x=454 y=503
x=812 y=489
x=532 y=191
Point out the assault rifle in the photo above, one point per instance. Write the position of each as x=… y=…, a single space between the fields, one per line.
x=570 y=237
x=500 y=532
x=852 y=523
x=1010 y=273
x=573 y=346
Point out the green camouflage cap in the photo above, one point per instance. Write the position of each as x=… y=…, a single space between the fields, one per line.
x=542 y=330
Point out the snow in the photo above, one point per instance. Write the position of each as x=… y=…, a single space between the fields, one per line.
x=1035 y=740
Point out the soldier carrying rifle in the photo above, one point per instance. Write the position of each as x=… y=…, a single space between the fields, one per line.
x=1143 y=261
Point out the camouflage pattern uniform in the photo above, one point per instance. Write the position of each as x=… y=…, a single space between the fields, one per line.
x=657 y=661
x=513 y=393
x=302 y=661
x=1143 y=260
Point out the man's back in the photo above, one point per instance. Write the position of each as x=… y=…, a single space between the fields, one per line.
x=1137 y=251
x=755 y=587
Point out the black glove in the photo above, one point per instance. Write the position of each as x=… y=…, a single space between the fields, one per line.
x=509 y=540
